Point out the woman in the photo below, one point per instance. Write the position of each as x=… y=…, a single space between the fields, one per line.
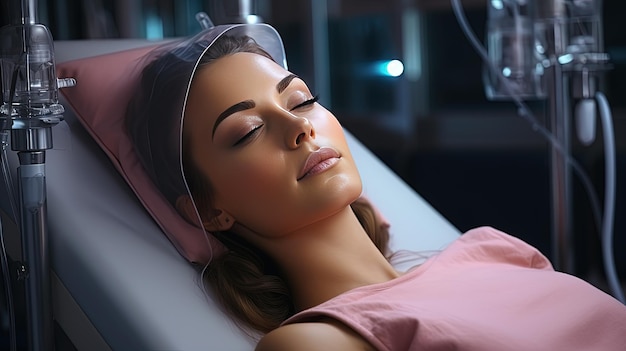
x=247 y=153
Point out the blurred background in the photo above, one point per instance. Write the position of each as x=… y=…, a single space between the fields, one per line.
x=476 y=161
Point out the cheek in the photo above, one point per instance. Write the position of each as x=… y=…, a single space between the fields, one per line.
x=260 y=195
x=246 y=182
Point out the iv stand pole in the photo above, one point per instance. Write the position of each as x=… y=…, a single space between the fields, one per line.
x=35 y=269
x=567 y=83
x=555 y=15
x=30 y=137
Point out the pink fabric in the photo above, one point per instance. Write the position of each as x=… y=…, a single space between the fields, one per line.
x=104 y=87
x=486 y=291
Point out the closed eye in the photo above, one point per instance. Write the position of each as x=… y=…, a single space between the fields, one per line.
x=248 y=135
x=306 y=103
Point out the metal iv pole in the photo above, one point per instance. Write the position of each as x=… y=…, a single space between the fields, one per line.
x=29 y=110
x=573 y=47
x=553 y=14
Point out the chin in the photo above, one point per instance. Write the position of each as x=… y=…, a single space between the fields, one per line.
x=346 y=188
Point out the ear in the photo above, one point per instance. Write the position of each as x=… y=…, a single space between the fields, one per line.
x=220 y=221
x=217 y=220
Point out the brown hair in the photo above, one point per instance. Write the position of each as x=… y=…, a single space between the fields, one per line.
x=246 y=281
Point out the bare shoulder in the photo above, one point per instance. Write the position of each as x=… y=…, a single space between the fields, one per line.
x=331 y=336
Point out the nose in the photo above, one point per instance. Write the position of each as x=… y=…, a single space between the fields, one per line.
x=300 y=130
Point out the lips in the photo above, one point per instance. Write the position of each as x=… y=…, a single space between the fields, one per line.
x=318 y=161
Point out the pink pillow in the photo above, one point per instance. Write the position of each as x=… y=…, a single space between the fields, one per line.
x=104 y=86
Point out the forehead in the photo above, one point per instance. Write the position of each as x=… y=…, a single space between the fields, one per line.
x=228 y=81
x=237 y=75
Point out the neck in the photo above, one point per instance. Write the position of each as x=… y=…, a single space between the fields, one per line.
x=329 y=258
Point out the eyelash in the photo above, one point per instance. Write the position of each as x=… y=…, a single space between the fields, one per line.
x=310 y=101
x=248 y=135
x=306 y=103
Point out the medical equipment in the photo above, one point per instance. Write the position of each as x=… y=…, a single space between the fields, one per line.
x=29 y=110
x=549 y=49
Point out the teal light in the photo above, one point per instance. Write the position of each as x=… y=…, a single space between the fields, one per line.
x=391 y=68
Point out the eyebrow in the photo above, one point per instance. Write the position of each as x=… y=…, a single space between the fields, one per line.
x=248 y=104
x=284 y=83
x=240 y=106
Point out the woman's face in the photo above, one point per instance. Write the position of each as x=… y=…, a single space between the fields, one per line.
x=277 y=160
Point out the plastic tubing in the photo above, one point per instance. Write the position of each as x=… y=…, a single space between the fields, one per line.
x=609 y=197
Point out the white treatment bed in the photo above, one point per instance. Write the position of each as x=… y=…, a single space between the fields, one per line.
x=118 y=282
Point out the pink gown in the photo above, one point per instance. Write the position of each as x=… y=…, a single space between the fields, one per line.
x=486 y=291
